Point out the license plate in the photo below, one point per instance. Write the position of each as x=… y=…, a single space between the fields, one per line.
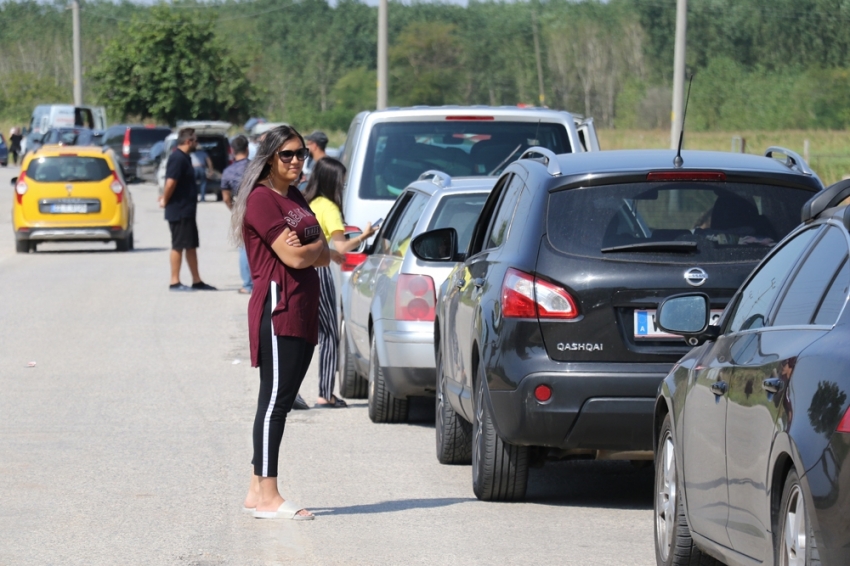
x=66 y=208
x=645 y=326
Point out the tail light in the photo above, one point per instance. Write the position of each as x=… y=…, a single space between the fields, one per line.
x=844 y=425
x=525 y=296
x=229 y=154
x=126 y=149
x=415 y=298
x=21 y=187
x=352 y=260
x=117 y=187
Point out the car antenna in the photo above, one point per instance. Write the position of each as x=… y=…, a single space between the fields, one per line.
x=678 y=161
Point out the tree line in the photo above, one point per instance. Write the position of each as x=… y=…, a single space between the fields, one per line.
x=758 y=64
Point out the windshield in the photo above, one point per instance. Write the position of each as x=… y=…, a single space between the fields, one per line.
x=398 y=152
x=68 y=168
x=687 y=222
x=459 y=212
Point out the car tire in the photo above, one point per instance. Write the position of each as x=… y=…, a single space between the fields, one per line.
x=351 y=384
x=22 y=246
x=125 y=244
x=673 y=543
x=499 y=469
x=383 y=407
x=454 y=433
x=795 y=541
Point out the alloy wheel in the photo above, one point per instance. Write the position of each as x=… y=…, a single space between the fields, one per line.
x=665 y=499
x=796 y=530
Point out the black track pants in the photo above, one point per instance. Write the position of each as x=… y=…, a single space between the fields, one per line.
x=283 y=364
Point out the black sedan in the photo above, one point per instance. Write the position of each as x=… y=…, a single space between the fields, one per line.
x=546 y=345
x=752 y=426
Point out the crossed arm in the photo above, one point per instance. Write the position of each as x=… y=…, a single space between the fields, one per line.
x=297 y=256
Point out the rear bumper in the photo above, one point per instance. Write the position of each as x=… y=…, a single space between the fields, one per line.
x=598 y=410
x=96 y=233
x=406 y=355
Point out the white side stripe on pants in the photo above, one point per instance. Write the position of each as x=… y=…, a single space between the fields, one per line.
x=275 y=378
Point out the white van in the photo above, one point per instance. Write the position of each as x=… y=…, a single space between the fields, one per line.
x=48 y=116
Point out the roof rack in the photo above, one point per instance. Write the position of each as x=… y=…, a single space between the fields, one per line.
x=439 y=178
x=827 y=198
x=792 y=160
x=547 y=157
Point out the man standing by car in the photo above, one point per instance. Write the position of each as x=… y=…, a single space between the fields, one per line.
x=230 y=179
x=316 y=143
x=180 y=201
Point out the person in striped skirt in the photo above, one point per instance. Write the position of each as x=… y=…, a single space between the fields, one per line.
x=324 y=195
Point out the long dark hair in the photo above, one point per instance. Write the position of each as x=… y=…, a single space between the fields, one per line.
x=257 y=170
x=327 y=180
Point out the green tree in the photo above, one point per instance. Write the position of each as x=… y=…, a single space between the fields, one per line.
x=424 y=64
x=170 y=65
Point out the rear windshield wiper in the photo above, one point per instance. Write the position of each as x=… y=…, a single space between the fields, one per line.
x=674 y=247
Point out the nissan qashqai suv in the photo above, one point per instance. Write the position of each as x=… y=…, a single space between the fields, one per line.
x=546 y=343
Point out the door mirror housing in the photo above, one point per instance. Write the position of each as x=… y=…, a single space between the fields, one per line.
x=14 y=181
x=436 y=245
x=687 y=315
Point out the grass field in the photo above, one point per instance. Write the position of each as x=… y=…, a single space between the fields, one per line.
x=829 y=150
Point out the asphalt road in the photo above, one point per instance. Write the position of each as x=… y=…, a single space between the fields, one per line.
x=129 y=442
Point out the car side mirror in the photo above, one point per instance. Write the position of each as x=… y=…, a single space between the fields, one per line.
x=37 y=138
x=14 y=181
x=436 y=245
x=688 y=316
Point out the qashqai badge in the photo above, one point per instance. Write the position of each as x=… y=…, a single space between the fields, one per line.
x=696 y=276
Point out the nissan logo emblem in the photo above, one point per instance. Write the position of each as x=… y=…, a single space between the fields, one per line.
x=696 y=276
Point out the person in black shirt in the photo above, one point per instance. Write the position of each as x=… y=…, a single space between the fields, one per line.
x=180 y=200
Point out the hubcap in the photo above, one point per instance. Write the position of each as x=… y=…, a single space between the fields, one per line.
x=478 y=439
x=665 y=499
x=794 y=540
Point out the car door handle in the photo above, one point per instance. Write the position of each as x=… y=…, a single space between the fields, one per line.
x=718 y=388
x=460 y=283
x=478 y=282
x=772 y=385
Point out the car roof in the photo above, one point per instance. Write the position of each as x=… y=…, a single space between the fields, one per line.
x=424 y=113
x=63 y=150
x=437 y=185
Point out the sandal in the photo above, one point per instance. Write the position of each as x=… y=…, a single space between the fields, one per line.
x=337 y=403
x=287 y=510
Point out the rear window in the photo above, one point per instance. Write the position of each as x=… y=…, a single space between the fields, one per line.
x=68 y=168
x=399 y=152
x=147 y=136
x=674 y=222
x=459 y=212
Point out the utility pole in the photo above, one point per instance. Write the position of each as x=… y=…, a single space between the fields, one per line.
x=382 y=54
x=542 y=96
x=678 y=73
x=78 y=64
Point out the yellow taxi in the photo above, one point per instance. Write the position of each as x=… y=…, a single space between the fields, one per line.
x=71 y=194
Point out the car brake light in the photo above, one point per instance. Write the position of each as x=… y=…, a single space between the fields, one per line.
x=543 y=393
x=525 y=296
x=415 y=298
x=21 y=187
x=229 y=154
x=686 y=176
x=844 y=425
x=126 y=149
x=117 y=187
x=352 y=260
x=470 y=118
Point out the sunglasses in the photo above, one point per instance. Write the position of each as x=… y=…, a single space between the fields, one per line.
x=287 y=155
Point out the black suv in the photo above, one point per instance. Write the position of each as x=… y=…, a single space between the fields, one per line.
x=545 y=334
x=131 y=143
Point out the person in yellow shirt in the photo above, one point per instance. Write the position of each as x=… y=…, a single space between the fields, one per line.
x=324 y=194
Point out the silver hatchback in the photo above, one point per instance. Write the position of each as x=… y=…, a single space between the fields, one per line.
x=389 y=301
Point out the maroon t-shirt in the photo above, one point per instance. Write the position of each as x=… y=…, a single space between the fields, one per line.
x=267 y=215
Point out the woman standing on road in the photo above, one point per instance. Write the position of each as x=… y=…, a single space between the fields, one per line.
x=284 y=243
x=324 y=193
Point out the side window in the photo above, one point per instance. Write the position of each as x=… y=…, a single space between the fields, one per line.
x=812 y=280
x=385 y=234
x=400 y=240
x=835 y=297
x=502 y=220
x=490 y=206
x=350 y=142
x=759 y=293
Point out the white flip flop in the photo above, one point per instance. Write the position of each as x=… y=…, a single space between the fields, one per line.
x=248 y=509
x=287 y=510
